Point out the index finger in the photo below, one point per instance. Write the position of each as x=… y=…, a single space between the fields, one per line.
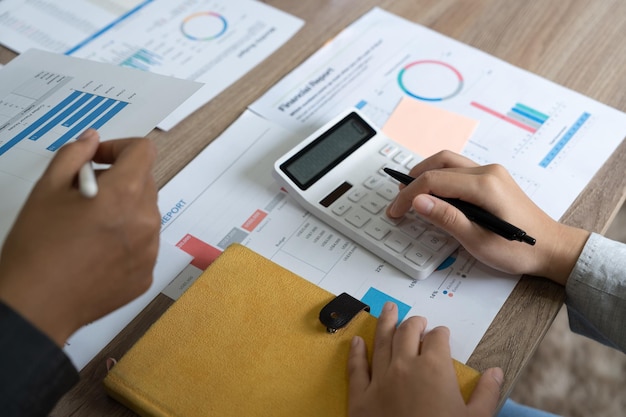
x=440 y=160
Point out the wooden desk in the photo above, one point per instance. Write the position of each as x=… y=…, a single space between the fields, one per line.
x=578 y=44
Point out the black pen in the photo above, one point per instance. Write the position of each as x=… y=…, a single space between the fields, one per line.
x=474 y=213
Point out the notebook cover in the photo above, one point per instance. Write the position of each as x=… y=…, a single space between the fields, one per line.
x=245 y=340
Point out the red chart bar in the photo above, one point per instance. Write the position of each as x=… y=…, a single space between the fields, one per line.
x=503 y=117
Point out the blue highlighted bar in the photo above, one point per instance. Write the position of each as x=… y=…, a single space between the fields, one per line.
x=564 y=140
x=60 y=117
x=529 y=113
x=43 y=119
x=361 y=104
x=141 y=60
x=82 y=112
x=109 y=115
x=377 y=299
x=82 y=125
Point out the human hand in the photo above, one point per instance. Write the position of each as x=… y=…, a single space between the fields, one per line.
x=69 y=260
x=491 y=187
x=406 y=380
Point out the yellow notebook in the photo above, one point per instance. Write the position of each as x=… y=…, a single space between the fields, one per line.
x=245 y=340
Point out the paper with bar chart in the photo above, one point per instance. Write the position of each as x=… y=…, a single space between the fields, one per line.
x=47 y=100
x=553 y=140
x=211 y=41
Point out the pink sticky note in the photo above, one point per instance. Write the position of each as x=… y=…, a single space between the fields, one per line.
x=426 y=129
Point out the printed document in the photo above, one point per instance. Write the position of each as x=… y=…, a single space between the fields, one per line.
x=46 y=101
x=552 y=140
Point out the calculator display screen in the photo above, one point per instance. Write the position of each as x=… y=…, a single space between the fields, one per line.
x=327 y=151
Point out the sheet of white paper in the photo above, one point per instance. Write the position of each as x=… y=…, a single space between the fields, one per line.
x=552 y=140
x=48 y=99
x=56 y=26
x=227 y=194
x=92 y=338
x=211 y=41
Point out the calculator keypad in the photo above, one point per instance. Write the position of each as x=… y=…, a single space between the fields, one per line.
x=363 y=208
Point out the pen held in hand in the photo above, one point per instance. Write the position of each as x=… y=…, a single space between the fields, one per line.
x=476 y=214
x=87 y=184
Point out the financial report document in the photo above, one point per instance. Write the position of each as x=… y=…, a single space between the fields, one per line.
x=552 y=140
x=46 y=101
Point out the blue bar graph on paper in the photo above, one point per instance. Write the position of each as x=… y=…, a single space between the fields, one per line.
x=61 y=116
x=83 y=111
x=109 y=115
x=375 y=299
x=529 y=113
x=82 y=125
x=564 y=140
x=142 y=59
x=43 y=119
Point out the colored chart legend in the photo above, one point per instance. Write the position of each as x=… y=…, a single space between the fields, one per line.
x=519 y=115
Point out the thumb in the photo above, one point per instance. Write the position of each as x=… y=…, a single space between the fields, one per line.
x=442 y=214
x=70 y=158
x=484 y=400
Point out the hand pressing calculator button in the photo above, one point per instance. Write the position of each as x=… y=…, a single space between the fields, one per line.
x=337 y=175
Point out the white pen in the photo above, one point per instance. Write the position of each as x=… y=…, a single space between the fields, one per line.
x=87 y=183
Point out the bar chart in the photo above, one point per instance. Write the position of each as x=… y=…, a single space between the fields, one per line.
x=62 y=122
x=518 y=115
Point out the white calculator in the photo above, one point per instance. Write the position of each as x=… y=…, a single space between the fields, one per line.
x=337 y=175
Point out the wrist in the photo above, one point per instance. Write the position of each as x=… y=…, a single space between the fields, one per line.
x=566 y=249
x=36 y=308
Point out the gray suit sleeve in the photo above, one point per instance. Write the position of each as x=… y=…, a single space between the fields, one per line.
x=596 y=292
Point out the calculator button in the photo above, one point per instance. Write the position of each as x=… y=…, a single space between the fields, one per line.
x=413 y=228
x=377 y=230
x=357 y=218
x=388 y=150
x=392 y=221
x=387 y=191
x=417 y=255
x=357 y=195
x=433 y=240
x=397 y=242
x=373 y=182
x=374 y=204
x=402 y=158
x=341 y=208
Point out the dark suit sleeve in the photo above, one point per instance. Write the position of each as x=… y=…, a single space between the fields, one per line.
x=34 y=371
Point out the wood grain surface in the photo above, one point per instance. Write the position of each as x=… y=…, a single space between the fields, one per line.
x=576 y=43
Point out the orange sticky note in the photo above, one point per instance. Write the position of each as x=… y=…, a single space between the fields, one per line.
x=426 y=129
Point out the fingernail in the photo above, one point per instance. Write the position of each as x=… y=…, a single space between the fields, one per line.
x=497 y=375
x=388 y=306
x=356 y=341
x=392 y=208
x=423 y=204
x=87 y=134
